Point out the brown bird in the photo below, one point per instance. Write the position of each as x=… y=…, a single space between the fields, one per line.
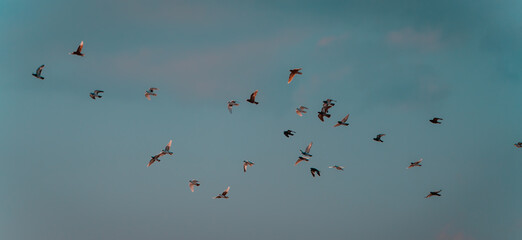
x=293 y=72
x=300 y=159
x=247 y=164
x=314 y=171
x=343 y=121
x=78 y=51
x=223 y=195
x=378 y=138
x=434 y=194
x=322 y=114
x=415 y=164
x=252 y=98
x=436 y=120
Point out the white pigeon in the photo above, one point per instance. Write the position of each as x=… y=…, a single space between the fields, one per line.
x=300 y=110
x=193 y=183
x=223 y=195
x=38 y=73
x=231 y=104
x=150 y=92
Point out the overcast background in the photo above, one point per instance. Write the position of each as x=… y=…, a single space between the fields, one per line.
x=75 y=168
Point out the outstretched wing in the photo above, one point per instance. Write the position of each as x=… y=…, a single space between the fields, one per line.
x=381 y=135
x=253 y=96
x=151 y=162
x=226 y=191
x=321 y=117
x=298 y=112
x=147 y=95
x=80 y=47
x=337 y=125
x=98 y=91
x=417 y=162
x=191 y=185
x=292 y=74
x=309 y=147
x=345 y=118
x=167 y=148
x=39 y=70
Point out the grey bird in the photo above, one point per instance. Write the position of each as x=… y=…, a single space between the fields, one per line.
x=315 y=171
x=193 y=183
x=231 y=104
x=378 y=138
x=252 y=98
x=78 y=51
x=247 y=164
x=436 y=120
x=300 y=110
x=300 y=159
x=293 y=72
x=437 y=193
x=415 y=164
x=340 y=168
x=343 y=121
x=288 y=133
x=151 y=92
x=38 y=73
x=96 y=94
x=224 y=194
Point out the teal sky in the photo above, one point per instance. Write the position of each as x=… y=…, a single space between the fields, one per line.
x=75 y=168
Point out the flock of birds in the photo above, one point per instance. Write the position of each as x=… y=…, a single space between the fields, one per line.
x=304 y=156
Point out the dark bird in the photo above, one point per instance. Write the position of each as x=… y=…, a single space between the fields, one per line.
x=288 y=133
x=415 y=164
x=322 y=114
x=293 y=72
x=96 y=94
x=78 y=51
x=154 y=159
x=231 y=104
x=151 y=92
x=434 y=194
x=436 y=120
x=378 y=138
x=343 y=121
x=306 y=152
x=314 y=171
x=38 y=73
x=252 y=98
x=300 y=159
x=329 y=102
x=247 y=164
x=223 y=195
x=518 y=144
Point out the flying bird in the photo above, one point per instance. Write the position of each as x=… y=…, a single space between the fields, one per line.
x=166 y=150
x=315 y=171
x=300 y=110
x=341 y=168
x=306 y=153
x=322 y=114
x=436 y=120
x=415 y=164
x=231 y=104
x=154 y=159
x=252 y=98
x=343 y=121
x=434 y=194
x=288 y=133
x=518 y=144
x=96 y=94
x=78 y=51
x=151 y=92
x=300 y=159
x=223 y=195
x=38 y=73
x=378 y=138
x=193 y=183
x=247 y=164
x=293 y=72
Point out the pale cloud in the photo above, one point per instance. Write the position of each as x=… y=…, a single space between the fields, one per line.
x=408 y=37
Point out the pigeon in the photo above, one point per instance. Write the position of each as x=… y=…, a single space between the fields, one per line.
x=306 y=153
x=223 y=195
x=329 y=102
x=343 y=121
x=340 y=168
x=96 y=94
x=436 y=120
x=230 y=104
x=314 y=171
x=322 y=114
x=150 y=92
x=288 y=133
x=300 y=110
x=167 y=149
x=293 y=72
x=434 y=194
x=518 y=144
x=300 y=159
x=247 y=164
x=378 y=138
x=78 y=51
x=252 y=98
x=193 y=183
x=415 y=164
x=154 y=159
x=38 y=73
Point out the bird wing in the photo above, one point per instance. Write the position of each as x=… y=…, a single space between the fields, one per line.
x=191 y=186
x=226 y=191
x=253 y=95
x=80 y=47
x=97 y=91
x=345 y=118
x=39 y=70
x=245 y=164
x=292 y=74
x=419 y=161
x=381 y=135
x=153 y=89
x=298 y=112
x=337 y=125
x=168 y=146
x=147 y=95
x=151 y=162
x=309 y=147
x=320 y=116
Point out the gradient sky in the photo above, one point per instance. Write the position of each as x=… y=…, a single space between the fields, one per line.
x=75 y=168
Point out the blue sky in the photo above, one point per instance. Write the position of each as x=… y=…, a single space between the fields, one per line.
x=75 y=168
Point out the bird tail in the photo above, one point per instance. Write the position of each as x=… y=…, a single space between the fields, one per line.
x=256 y=102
